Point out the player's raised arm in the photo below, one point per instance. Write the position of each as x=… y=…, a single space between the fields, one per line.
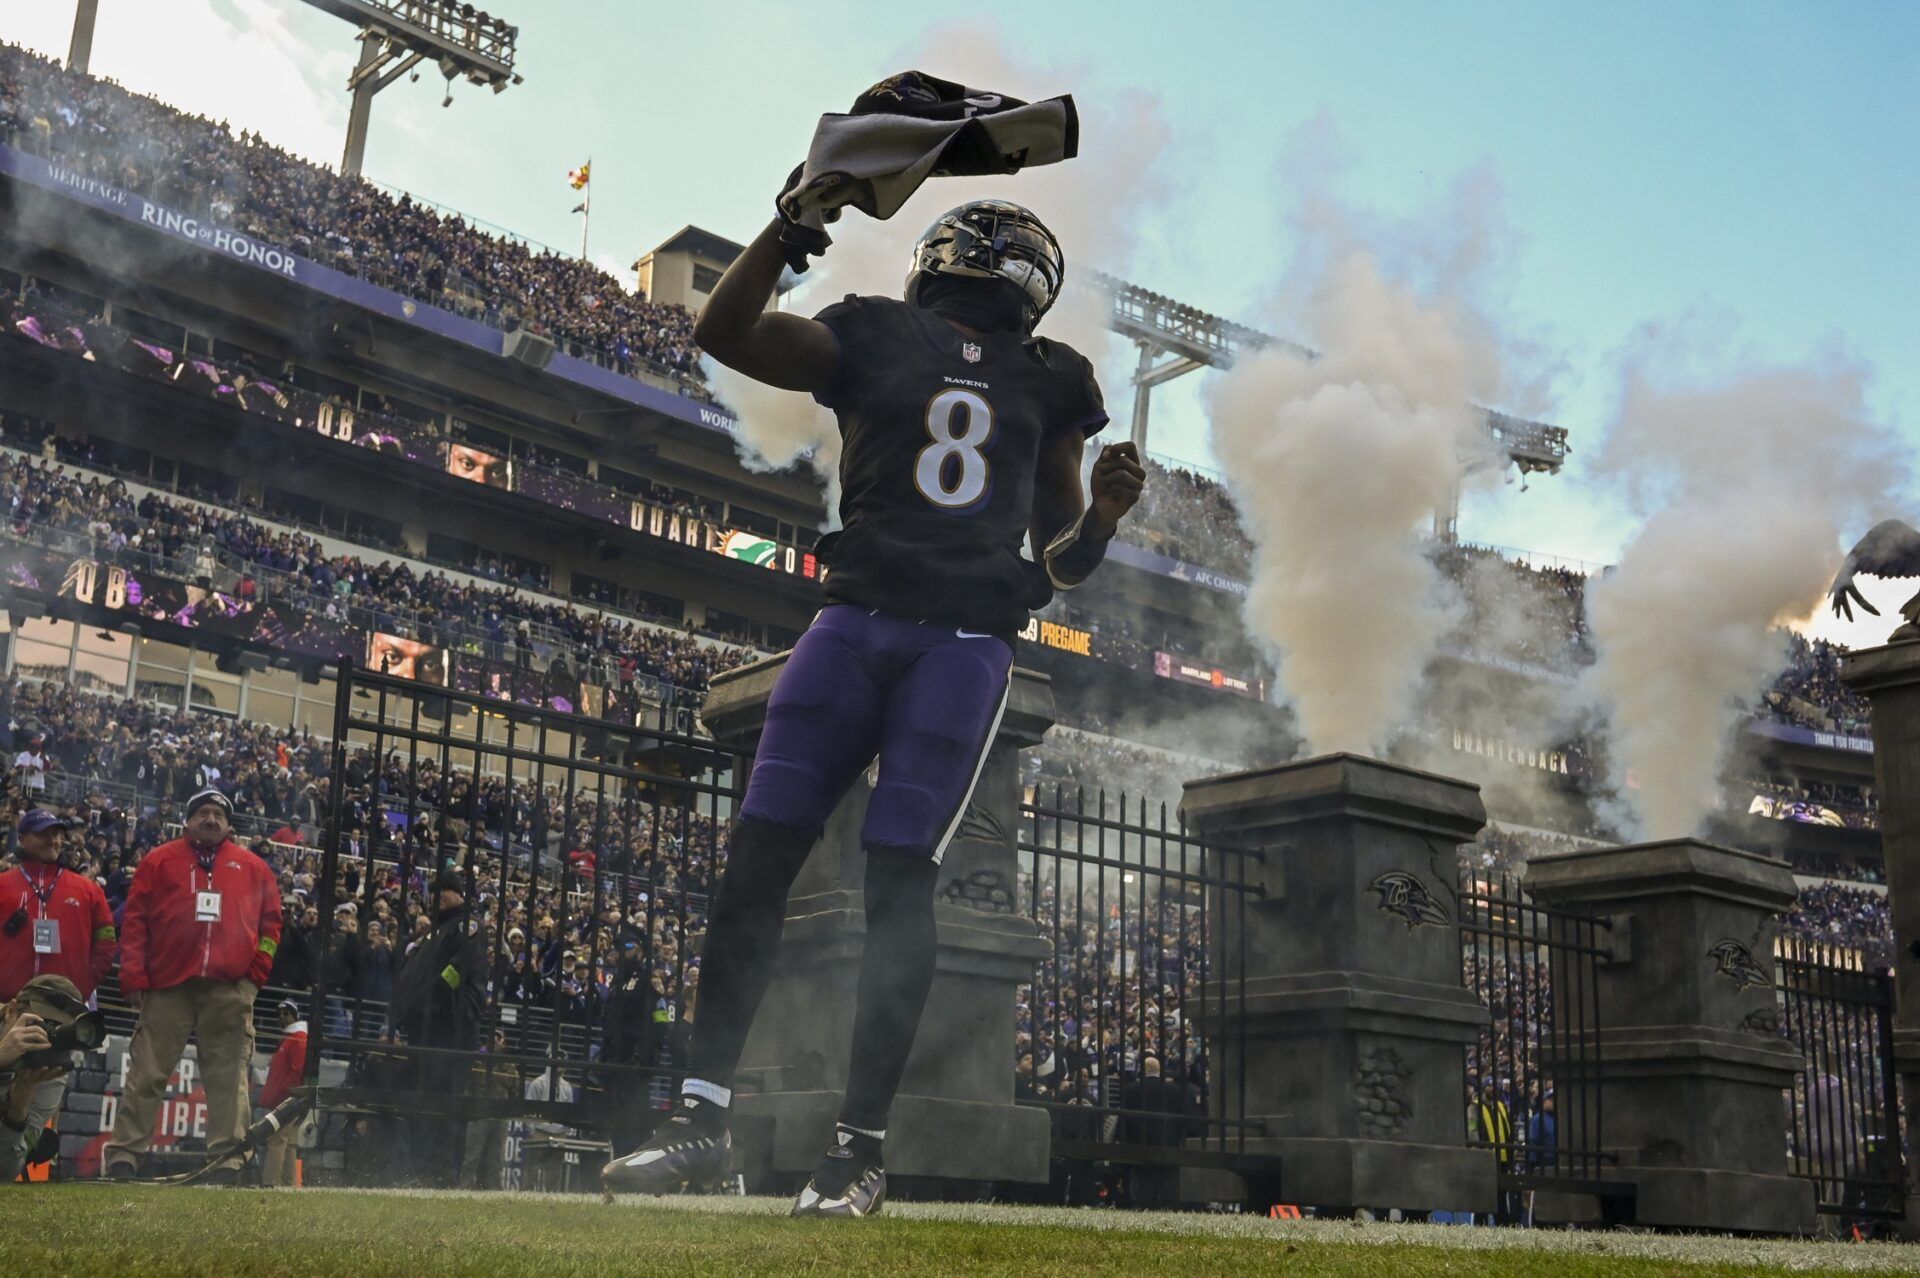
x=1069 y=537
x=736 y=328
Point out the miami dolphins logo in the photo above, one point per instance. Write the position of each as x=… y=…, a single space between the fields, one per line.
x=757 y=551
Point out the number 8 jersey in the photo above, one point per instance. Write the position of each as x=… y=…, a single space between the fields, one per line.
x=940 y=437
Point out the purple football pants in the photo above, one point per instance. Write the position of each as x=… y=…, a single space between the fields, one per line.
x=926 y=698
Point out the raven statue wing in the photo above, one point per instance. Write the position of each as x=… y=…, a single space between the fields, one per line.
x=1890 y=549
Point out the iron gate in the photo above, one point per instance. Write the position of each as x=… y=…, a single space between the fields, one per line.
x=565 y=827
x=1533 y=1088
x=1113 y=1031
x=1843 y=1133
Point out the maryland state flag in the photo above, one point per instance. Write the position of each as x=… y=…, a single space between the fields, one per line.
x=581 y=176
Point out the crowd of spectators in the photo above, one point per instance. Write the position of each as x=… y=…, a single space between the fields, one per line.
x=1107 y=1022
x=1809 y=694
x=1514 y=609
x=1187 y=515
x=123 y=768
x=201 y=167
x=241 y=556
x=1835 y=914
x=1078 y=765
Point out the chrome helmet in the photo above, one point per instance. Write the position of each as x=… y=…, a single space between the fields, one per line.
x=989 y=238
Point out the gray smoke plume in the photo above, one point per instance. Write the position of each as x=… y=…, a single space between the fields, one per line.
x=1123 y=140
x=1335 y=464
x=1747 y=480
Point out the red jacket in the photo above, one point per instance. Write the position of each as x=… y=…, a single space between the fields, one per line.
x=289 y=1062
x=162 y=944
x=78 y=905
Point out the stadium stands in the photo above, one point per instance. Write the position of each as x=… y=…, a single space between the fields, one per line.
x=198 y=165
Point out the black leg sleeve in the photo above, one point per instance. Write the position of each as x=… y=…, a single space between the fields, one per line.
x=896 y=971
x=743 y=938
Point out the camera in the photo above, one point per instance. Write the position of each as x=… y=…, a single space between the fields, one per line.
x=82 y=1034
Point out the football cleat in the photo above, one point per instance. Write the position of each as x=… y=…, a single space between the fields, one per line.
x=848 y=1182
x=689 y=1151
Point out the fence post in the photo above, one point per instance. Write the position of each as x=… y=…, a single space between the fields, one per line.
x=1353 y=1018
x=955 y=1116
x=1689 y=1057
x=1889 y=678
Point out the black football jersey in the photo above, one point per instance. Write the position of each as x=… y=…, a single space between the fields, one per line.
x=940 y=438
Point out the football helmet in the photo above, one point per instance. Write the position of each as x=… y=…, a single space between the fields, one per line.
x=989 y=238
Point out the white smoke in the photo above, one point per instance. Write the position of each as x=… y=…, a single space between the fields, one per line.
x=1747 y=480
x=1335 y=464
x=1093 y=204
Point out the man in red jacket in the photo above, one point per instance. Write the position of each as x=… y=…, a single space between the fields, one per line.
x=52 y=920
x=283 y=1075
x=197 y=940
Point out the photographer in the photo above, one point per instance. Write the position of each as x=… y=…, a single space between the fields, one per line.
x=200 y=931
x=57 y=926
x=34 y=1058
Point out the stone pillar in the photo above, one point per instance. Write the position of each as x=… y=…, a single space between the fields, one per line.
x=1889 y=678
x=1690 y=1066
x=954 y=1117
x=1355 y=1016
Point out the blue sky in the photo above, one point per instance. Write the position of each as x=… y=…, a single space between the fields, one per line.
x=1753 y=163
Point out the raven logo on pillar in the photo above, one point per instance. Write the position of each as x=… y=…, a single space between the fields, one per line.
x=1737 y=964
x=1407 y=898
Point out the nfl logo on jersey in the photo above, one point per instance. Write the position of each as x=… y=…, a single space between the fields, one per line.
x=970 y=352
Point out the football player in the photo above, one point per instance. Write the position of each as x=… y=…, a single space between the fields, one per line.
x=963 y=434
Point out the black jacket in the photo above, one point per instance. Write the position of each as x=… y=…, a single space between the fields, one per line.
x=441 y=989
x=629 y=1037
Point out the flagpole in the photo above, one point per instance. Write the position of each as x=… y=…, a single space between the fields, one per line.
x=586 y=222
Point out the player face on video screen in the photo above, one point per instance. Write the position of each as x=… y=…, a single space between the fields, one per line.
x=407 y=658
x=478 y=465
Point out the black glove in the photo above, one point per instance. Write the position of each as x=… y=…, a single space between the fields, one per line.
x=797 y=242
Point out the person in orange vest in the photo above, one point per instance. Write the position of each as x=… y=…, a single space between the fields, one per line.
x=198 y=937
x=283 y=1075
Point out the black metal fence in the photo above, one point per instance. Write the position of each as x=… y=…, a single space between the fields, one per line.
x=1843 y=1131
x=571 y=835
x=1144 y=919
x=1534 y=1096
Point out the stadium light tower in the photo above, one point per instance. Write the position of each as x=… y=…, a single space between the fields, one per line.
x=397 y=35
x=1175 y=339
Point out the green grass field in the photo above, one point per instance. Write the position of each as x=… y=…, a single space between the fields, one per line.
x=121 y=1231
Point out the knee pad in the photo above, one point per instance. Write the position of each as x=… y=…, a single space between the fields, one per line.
x=902 y=819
